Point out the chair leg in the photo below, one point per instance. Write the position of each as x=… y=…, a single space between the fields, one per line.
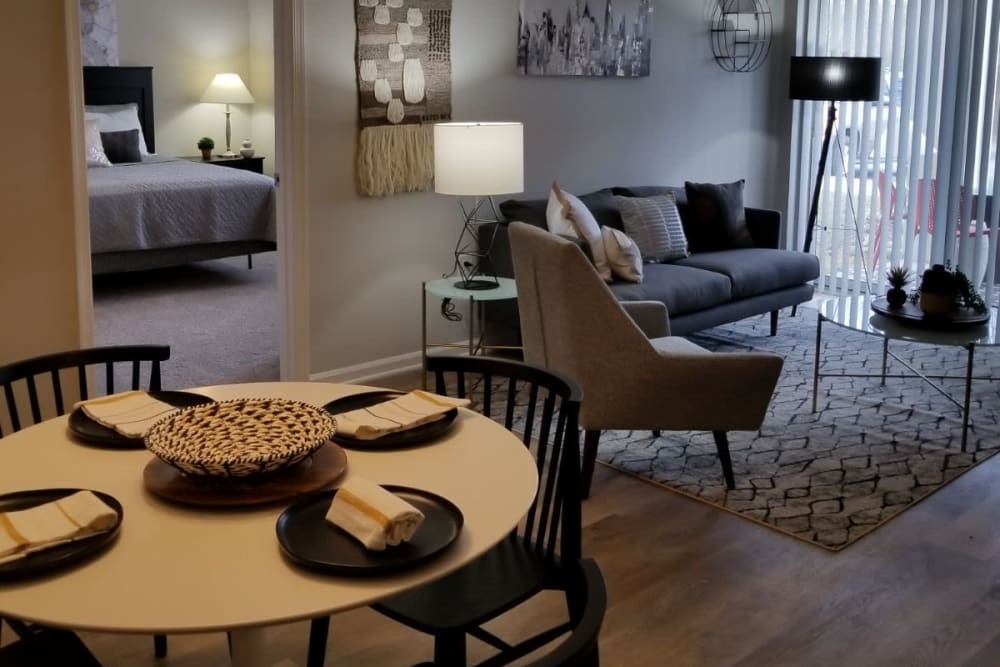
x=319 y=631
x=656 y=434
x=774 y=323
x=449 y=649
x=160 y=646
x=722 y=446
x=590 y=439
x=794 y=308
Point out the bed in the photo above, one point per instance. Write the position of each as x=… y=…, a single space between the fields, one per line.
x=164 y=211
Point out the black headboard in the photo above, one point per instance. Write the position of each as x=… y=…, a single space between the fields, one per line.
x=121 y=85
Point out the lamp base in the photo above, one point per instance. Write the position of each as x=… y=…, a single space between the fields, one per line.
x=476 y=284
x=228 y=154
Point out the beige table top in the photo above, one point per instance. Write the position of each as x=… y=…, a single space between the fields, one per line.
x=175 y=569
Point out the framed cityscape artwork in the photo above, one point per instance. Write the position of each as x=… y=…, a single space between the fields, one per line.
x=584 y=37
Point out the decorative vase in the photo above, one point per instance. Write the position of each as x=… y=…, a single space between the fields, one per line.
x=247 y=148
x=896 y=297
x=937 y=291
x=206 y=153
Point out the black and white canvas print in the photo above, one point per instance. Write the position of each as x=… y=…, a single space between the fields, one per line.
x=585 y=37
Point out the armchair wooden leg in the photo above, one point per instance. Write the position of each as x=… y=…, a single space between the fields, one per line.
x=319 y=631
x=794 y=308
x=774 y=323
x=160 y=646
x=590 y=439
x=722 y=446
x=656 y=434
x=449 y=649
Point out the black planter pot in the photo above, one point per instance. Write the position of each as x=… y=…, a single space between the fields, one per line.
x=896 y=297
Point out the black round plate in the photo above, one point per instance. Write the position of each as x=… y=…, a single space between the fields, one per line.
x=309 y=540
x=64 y=555
x=88 y=430
x=398 y=440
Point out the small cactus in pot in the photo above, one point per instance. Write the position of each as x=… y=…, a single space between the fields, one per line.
x=899 y=277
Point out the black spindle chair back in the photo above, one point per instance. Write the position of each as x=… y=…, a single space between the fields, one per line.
x=31 y=376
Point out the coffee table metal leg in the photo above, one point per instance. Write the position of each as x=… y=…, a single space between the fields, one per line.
x=968 y=394
x=885 y=357
x=819 y=340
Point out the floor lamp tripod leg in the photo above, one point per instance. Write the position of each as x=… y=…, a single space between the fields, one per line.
x=831 y=117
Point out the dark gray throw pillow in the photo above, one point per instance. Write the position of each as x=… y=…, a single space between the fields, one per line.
x=122 y=146
x=716 y=217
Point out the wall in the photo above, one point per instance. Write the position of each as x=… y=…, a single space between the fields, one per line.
x=38 y=259
x=188 y=42
x=261 y=82
x=689 y=120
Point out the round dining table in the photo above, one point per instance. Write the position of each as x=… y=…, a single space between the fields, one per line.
x=180 y=569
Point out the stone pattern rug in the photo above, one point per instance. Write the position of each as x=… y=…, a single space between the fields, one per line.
x=830 y=477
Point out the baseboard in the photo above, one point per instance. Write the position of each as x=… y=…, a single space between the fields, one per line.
x=368 y=371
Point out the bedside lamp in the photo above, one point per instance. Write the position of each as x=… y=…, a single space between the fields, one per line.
x=227 y=89
x=477 y=160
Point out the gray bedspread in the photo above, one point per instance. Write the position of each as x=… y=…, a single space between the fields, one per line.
x=171 y=203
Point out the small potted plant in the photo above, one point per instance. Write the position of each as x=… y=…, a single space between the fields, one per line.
x=206 y=144
x=937 y=291
x=899 y=278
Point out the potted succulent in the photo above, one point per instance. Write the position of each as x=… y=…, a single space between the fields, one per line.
x=899 y=278
x=943 y=291
x=206 y=144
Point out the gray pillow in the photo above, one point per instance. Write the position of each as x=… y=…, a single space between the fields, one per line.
x=655 y=226
x=122 y=146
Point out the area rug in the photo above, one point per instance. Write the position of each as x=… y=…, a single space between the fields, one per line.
x=833 y=476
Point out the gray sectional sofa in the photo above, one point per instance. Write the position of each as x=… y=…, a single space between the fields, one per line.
x=700 y=291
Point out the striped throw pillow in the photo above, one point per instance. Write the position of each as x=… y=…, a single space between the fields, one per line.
x=655 y=225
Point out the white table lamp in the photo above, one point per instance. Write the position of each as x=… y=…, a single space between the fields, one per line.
x=227 y=88
x=478 y=160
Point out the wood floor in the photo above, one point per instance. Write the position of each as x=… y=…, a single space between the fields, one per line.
x=689 y=585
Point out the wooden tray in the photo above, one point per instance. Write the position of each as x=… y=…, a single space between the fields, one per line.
x=315 y=473
x=910 y=313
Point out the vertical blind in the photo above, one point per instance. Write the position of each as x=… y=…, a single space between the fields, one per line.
x=911 y=177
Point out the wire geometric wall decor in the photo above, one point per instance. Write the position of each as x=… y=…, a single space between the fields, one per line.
x=741 y=34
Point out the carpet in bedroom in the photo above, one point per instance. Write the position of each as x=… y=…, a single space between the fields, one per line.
x=219 y=318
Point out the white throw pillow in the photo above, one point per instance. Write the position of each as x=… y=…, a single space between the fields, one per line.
x=623 y=254
x=578 y=217
x=555 y=217
x=96 y=157
x=117 y=117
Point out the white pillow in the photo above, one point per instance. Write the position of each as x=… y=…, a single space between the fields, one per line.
x=96 y=157
x=575 y=215
x=117 y=117
x=623 y=254
x=555 y=218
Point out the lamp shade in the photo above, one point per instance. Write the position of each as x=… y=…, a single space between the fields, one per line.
x=478 y=159
x=835 y=78
x=227 y=88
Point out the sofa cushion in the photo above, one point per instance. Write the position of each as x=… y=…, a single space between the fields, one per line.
x=716 y=217
x=623 y=255
x=583 y=224
x=682 y=289
x=601 y=205
x=655 y=225
x=754 y=271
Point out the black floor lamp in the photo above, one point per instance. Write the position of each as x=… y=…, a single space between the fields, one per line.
x=835 y=80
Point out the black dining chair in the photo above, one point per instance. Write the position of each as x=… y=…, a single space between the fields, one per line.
x=539 y=554
x=589 y=602
x=46 y=646
x=42 y=387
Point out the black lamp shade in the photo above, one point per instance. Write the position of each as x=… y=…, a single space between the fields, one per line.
x=836 y=79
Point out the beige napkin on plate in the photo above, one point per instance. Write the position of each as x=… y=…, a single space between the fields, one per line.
x=374 y=516
x=78 y=515
x=399 y=414
x=131 y=413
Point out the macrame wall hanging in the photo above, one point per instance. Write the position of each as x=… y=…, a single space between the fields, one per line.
x=404 y=87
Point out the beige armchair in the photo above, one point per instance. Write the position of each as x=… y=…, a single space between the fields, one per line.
x=633 y=373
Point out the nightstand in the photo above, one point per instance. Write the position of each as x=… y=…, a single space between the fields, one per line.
x=255 y=163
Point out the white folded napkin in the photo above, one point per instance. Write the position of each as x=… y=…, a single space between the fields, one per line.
x=131 y=413
x=374 y=516
x=78 y=515
x=399 y=414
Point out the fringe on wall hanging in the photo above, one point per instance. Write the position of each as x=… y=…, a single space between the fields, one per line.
x=404 y=86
